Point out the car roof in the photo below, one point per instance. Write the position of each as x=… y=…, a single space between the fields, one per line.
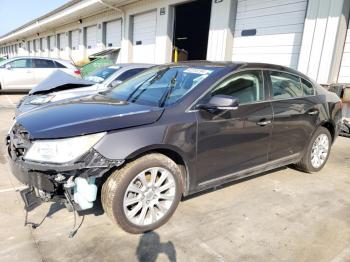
x=240 y=65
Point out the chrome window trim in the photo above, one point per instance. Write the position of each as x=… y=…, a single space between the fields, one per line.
x=192 y=109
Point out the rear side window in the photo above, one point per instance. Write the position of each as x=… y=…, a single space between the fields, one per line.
x=43 y=63
x=246 y=86
x=59 y=65
x=129 y=73
x=307 y=87
x=285 y=86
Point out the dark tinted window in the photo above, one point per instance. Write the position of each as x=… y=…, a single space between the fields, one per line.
x=308 y=88
x=59 y=65
x=246 y=86
x=21 y=63
x=285 y=86
x=43 y=63
x=129 y=73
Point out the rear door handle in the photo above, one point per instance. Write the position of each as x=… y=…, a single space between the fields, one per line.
x=264 y=123
x=313 y=112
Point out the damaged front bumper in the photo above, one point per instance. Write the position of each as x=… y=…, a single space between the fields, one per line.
x=55 y=181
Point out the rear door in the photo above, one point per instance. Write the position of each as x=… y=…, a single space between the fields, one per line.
x=296 y=110
x=234 y=140
x=42 y=69
x=20 y=75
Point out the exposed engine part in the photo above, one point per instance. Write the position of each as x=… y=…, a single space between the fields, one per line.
x=70 y=183
x=44 y=196
x=59 y=177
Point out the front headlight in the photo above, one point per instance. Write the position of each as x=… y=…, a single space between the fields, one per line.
x=60 y=151
x=40 y=100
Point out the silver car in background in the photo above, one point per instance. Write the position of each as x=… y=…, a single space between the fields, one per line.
x=23 y=73
x=58 y=86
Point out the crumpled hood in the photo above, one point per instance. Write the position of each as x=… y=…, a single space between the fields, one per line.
x=59 y=80
x=86 y=115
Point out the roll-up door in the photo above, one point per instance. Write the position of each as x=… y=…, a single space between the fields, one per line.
x=113 y=33
x=144 y=37
x=63 y=46
x=75 y=40
x=91 y=39
x=52 y=45
x=269 y=31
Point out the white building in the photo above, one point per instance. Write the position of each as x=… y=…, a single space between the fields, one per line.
x=309 y=35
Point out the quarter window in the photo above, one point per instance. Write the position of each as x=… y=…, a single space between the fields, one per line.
x=308 y=88
x=247 y=87
x=285 y=86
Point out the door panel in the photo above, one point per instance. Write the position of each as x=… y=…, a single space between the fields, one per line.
x=19 y=76
x=233 y=140
x=296 y=112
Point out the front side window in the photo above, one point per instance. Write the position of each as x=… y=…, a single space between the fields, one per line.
x=247 y=87
x=161 y=86
x=285 y=85
x=21 y=63
x=308 y=88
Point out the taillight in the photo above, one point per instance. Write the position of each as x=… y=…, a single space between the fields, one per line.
x=77 y=72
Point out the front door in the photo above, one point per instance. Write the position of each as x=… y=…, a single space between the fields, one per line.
x=234 y=140
x=19 y=75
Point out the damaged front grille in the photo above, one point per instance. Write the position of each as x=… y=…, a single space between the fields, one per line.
x=18 y=141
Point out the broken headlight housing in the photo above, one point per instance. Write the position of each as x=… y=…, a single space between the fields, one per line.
x=61 y=151
x=40 y=100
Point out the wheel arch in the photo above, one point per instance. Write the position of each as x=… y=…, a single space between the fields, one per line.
x=330 y=126
x=171 y=152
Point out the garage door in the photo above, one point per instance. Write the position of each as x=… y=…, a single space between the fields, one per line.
x=75 y=40
x=144 y=37
x=63 y=46
x=113 y=33
x=52 y=45
x=91 y=39
x=44 y=46
x=37 y=47
x=31 y=47
x=344 y=73
x=269 y=31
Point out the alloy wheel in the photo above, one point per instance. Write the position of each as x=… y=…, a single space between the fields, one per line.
x=149 y=196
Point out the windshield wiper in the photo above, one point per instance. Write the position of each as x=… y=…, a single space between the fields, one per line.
x=150 y=81
x=169 y=90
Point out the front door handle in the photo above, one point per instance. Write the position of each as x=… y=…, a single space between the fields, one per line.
x=313 y=112
x=263 y=122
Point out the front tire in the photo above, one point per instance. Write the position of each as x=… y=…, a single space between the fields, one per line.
x=144 y=194
x=317 y=152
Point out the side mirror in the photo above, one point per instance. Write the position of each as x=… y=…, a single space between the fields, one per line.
x=8 y=66
x=115 y=83
x=220 y=102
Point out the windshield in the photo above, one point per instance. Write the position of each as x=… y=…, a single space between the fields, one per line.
x=3 y=62
x=161 y=86
x=100 y=75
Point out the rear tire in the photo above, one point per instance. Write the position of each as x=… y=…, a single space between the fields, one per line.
x=144 y=194
x=317 y=152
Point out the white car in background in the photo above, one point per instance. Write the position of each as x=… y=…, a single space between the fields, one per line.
x=23 y=73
